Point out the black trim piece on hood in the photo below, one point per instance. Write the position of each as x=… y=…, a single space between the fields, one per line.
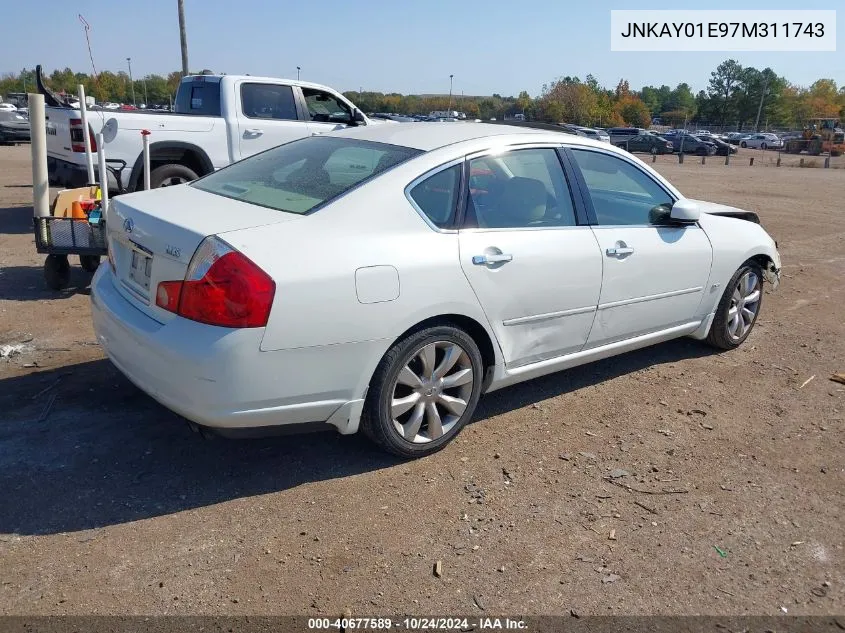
x=748 y=216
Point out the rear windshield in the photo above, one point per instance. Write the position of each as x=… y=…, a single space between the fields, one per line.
x=198 y=95
x=299 y=176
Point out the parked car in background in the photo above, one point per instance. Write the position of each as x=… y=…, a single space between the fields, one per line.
x=691 y=144
x=648 y=143
x=598 y=135
x=620 y=134
x=220 y=297
x=762 y=141
x=14 y=127
x=734 y=138
x=219 y=119
x=722 y=148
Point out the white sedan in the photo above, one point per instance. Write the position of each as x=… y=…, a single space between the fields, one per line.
x=383 y=278
x=761 y=141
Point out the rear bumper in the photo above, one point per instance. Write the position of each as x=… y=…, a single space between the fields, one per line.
x=218 y=377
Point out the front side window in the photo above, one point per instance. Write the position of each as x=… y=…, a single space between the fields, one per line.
x=324 y=107
x=437 y=195
x=621 y=193
x=299 y=176
x=268 y=101
x=519 y=189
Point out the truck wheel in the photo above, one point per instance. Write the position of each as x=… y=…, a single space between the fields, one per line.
x=169 y=175
x=57 y=272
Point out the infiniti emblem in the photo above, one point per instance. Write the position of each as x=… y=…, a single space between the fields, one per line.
x=128 y=225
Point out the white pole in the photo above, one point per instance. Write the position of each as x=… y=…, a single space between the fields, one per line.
x=145 y=134
x=89 y=159
x=104 y=175
x=38 y=146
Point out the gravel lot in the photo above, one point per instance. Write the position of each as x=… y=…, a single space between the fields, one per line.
x=731 y=499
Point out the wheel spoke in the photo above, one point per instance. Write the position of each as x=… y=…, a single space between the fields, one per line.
x=426 y=356
x=403 y=405
x=460 y=377
x=408 y=378
x=432 y=418
x=754 y=297
x=450 y=357
x=733 y=323
x=747 y=315
x=412 y=426
x=456 y=406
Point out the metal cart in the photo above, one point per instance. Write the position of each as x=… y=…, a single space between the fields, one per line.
x=58 y=237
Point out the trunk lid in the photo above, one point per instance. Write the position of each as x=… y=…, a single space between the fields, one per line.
x=153 y=234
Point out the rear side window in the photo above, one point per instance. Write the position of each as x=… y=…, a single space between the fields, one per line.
x=268 y=101
x=437 y=195
x=199 y=95
x=300 y=176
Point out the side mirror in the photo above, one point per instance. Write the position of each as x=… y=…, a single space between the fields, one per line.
x=358 y=116
x=685 y=211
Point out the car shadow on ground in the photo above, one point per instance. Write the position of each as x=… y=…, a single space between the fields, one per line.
x=81 y=448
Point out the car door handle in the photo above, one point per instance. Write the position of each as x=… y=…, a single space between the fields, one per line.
x=254 y=131
x=484 y=260
x=620 y=250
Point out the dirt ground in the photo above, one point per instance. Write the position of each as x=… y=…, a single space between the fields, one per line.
x=732 y=502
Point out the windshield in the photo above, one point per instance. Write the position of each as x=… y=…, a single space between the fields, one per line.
x=299 y=176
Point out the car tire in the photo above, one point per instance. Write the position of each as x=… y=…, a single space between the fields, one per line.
x=654 y=151
x=743 y=144
x=408 y=372
x=726 y=332
x=763 y=146
x=170 y=175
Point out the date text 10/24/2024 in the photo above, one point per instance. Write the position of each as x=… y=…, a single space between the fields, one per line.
x=417 y=624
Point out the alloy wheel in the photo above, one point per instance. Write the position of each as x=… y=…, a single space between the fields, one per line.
x=745 y=303
x=431 y=391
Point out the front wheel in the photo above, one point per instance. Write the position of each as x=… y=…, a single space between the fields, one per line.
x=763 y=146
x=743 y=144
x=57 y=272
x=423 y=392
x=738 y=308
x=654 y=151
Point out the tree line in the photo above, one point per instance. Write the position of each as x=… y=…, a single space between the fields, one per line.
x=738 y=96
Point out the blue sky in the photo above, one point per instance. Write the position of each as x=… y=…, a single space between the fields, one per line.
x=411 y=47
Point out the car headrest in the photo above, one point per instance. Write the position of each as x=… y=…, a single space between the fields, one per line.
x=522 y=201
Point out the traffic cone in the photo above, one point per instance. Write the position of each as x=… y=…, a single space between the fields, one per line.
x=76 y=211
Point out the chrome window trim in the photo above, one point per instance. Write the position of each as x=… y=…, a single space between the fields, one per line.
x=425 y=176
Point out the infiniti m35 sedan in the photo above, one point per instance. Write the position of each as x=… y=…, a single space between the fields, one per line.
x=383 y=278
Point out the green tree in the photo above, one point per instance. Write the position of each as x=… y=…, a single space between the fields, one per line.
x=722 y=87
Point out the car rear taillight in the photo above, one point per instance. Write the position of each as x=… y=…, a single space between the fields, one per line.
x=77 y=141
x=221 y=287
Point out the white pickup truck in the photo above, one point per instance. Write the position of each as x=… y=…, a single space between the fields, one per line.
x=217 y=120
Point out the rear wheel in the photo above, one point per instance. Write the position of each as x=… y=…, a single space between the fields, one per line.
x=739 y=307
x=763 y=146
x=170 y=175
x=654 y=151
x=743 y=144
x=423 y=392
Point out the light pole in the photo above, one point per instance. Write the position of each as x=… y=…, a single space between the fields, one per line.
x=146 y=103
x=297 y=72
x=23 y=74
x=450 y=92
x=131 y=83
x=183 y=37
